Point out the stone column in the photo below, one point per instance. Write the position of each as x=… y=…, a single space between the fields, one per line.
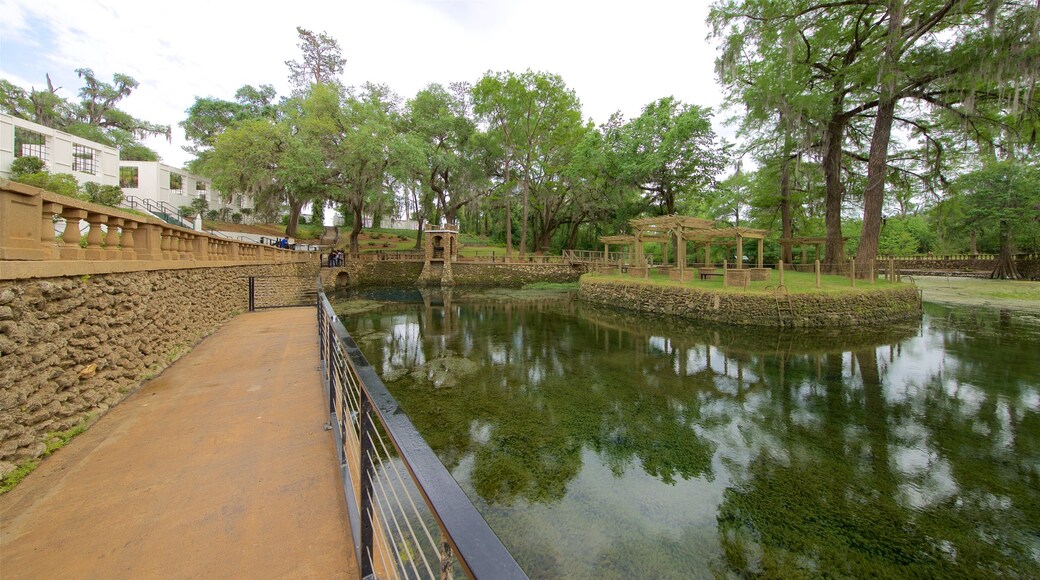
x=129 y=244
x=112 y=251
x=50 y=251
x=94 y=236
x=71 y=235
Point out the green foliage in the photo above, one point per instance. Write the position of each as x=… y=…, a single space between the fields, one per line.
x=110 y=195
x=236 y=218
x=95 y=117
x=61 y=183
x=199 y=205
x=26 y=165
x=1004 y=197
x=212 y=215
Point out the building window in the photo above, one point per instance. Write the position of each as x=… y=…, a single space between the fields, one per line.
x=200 y=186
x=29 y=144
x=84 y=159
x=128 y=177
x=177 y=183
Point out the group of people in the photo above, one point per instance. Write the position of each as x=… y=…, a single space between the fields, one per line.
x=335 y=258
x=279 y=242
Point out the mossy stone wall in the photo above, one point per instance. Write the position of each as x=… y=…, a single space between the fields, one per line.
x=866 y=306
x=72 y=347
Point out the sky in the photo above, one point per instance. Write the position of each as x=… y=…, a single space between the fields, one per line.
x=616 y=56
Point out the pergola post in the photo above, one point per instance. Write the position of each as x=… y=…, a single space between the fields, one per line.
x=707 y=254
x=760 y=247
x=740 y=251
x=680 y=254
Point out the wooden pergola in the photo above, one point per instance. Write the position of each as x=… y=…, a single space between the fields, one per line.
x=739 y=234
x=654 y=228
x=803 y=242
x=626 y=240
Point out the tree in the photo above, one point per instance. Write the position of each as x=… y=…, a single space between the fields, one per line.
x=535 y=114
x=1005 y=194
x=209 y=116
x=355 y=138
x=322 y=61
x=670 y=153
x=96 y=116
x=110 y=195
x=445 y=130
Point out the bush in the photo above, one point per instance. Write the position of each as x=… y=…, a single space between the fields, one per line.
x=109 y=195
x=236 y=217
x=213 y=215
x=27 y=165
x=61 y=183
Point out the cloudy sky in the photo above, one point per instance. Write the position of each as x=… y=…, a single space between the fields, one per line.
x=615 y=55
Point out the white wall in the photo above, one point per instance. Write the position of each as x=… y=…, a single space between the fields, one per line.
x=59 y=152
x=154 y=183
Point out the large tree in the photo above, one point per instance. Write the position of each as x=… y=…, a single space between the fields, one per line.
x=443 y=123
x=321 y=61
x=535 y=113
x=670 y=152
x=96 y=116
x=1004 y=195
x=357 y=133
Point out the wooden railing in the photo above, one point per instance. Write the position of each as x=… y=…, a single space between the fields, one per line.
x=28 y=216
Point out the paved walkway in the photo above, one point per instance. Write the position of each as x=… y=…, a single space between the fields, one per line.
x=219 y=468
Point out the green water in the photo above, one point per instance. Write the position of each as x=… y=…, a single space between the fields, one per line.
x=599 y=444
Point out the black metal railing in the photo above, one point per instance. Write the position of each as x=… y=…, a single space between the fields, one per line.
x=409 y=517
x=159 y=209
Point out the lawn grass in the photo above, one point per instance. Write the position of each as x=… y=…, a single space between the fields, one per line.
x=794 y=282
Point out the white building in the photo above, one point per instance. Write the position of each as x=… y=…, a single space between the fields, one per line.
x=61 y=152
x=160 y=182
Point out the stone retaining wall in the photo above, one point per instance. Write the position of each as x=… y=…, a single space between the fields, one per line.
x=72 y=347
x=391 y=273
x=1028 y=267
x=869 y=306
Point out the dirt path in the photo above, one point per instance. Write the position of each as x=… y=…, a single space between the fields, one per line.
x=1019 y=296
x=218 y=468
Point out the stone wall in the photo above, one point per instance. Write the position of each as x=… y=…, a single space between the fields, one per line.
x=862 y=306
x=72 y=347
x=1028 y=265
x=400 y=273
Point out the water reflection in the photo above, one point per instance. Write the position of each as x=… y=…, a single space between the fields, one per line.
x=598 y=443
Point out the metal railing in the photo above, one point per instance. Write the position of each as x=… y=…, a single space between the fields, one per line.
x=159 y=209
x=409 y=517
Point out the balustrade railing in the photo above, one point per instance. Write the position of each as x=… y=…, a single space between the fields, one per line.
x=28 y=216
x=409 y=517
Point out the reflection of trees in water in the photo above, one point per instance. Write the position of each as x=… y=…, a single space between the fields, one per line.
x=840 y=460
x=870 y=485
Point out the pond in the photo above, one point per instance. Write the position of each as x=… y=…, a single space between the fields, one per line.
x=598 y=443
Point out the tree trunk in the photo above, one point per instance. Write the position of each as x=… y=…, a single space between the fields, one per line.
x=786 y=224
x=974 y=249
x=874 y=194
x=877 y=162
x=295 y=207
x=1005 y=268
x=572 y=235
x=525 y=190
x=834 y=256
x=355 y=230
x=418 y=237
x=509 y=211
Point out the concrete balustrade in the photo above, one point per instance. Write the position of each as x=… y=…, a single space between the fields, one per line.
x=116 y=240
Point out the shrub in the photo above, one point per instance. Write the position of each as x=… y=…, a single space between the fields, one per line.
x=27 y=165
x=236 y=217
x=109 y=195
x=212 y=215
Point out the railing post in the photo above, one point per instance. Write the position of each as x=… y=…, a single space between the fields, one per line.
x=252 y=293
x=366 y=506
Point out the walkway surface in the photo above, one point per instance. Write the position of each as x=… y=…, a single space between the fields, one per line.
x=218 y=468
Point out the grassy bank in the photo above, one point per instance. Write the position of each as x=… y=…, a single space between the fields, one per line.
x=1023 y=296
